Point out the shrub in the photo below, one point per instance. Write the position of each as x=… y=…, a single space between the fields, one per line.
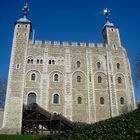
x=126 y=126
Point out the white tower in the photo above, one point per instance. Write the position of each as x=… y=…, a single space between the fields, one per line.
x=12 y=122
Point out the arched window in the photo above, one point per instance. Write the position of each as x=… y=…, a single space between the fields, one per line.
x=121 y=100
x=78 y=78
x=119 y=80
x=98 y=65
x=32 y=61
x=49 y=61
x=56 y=77
x=56 y=99
x=78 y=64
x=31 y=98
x=53 y=61
x=102 y=100
x=37 y=61
x=33 y=77
x=28 y=61
x=79 y=100
x=99 y=79
x=41 y=61
x=118 y=66
x=114 y=46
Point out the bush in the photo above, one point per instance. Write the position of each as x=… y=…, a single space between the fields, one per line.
x=120 y=128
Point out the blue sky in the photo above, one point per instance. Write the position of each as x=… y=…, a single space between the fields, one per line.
x=71 y=20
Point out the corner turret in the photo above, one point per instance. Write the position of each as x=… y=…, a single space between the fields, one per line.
x=110 y=32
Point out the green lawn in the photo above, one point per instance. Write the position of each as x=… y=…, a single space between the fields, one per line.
x=19 y=137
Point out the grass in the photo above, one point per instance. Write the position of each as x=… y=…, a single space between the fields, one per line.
x=20 y=137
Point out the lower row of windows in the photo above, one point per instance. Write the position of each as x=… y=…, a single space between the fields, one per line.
x=56 y=99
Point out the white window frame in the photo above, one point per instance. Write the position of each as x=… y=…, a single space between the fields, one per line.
x=26 y=100
x=58 y=99
x=17 y=66
x=35 y=77
x=58 y=77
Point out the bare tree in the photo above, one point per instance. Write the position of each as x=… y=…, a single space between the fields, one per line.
x=3 y=86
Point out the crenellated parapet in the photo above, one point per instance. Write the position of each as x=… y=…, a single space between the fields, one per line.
x=39 y=43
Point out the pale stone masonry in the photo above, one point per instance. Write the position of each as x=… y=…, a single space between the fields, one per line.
x=85 y=82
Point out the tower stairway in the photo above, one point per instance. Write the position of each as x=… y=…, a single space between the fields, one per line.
x=38 y=120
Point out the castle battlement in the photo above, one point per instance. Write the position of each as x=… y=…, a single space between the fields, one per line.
x=39 y=43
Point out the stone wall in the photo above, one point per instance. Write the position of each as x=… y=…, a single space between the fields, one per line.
x=1 y=116
x=62 y=60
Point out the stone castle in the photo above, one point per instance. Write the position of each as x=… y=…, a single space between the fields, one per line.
x=85 y=82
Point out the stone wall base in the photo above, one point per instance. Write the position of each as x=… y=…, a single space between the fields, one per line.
x=10 y=131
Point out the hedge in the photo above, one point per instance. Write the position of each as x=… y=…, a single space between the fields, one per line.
x=124 y=127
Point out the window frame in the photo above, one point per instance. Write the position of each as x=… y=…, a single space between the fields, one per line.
x=119 y=79
x=79 y=79
x=17 y=66
x=79 y=100
x=50 y=62
x=98 y=65
x=33 y=78
x=78 y=64
x=122 y=100
x=32 y=92
x=28 y=61
x=53 y=62
x=102 y=101
x=31 y=61
x=41 y=61
x=38 y=61
x=118 y=66
x=58 y=99
x=99 y=79
x=54 y=77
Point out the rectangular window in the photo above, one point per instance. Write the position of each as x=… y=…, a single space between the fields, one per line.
x=111 y=79
x=109 y=65
x=90 y=78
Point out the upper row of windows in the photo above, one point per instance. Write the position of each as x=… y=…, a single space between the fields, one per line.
x=51 y=61
x=24 y=26
x=31 y=61
x=78 y=63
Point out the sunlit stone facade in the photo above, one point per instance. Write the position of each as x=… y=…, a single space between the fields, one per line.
x=85 y=82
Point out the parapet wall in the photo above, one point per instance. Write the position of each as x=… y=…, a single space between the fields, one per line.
x=39 y=43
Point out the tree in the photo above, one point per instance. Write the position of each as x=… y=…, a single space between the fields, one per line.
x=3 y=86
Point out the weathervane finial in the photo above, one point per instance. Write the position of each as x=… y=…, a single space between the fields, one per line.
x=107 y=13
x=25 y=10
